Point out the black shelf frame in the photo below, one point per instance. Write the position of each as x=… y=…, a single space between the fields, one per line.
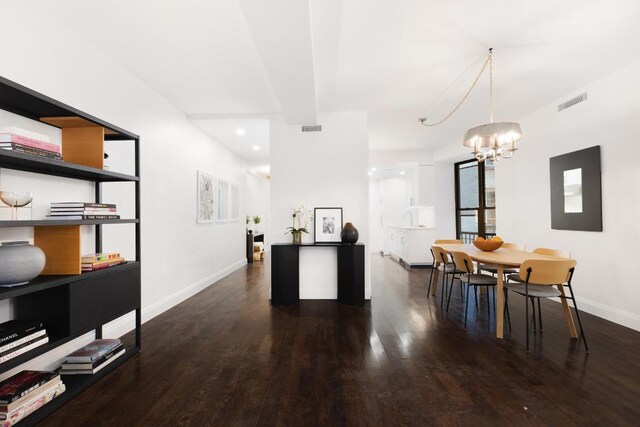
x=59 y=222
x=42 y=165
x=76 y=384
x=119 y=285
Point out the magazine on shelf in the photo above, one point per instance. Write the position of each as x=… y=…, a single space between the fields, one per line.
x=23 y=383
x=93 y=351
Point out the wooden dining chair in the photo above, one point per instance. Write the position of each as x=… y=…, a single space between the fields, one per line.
x=447 y=268
x=494 y=270
x=546 y=279
x=439 y=242
x=463 y=262
x=560 y=253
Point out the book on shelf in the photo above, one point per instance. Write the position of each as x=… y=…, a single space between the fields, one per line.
x=68 y=369
x=78 y=366
x=37 y=401
x=13 y=130
x=7 y=138
x=86 y=212
x=93 y=351
x=14 y=329
x=82 y=205
x=23 y=383
x=31 y=151
x=7 y=409
x=17 y=342
x=70 y=217
x=100 y=257
x=86 y=266
x=24 y=348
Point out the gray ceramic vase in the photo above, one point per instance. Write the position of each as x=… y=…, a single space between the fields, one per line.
x=349 y=234
x=19 y=263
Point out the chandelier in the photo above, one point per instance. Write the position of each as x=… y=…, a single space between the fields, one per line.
x=491 y=141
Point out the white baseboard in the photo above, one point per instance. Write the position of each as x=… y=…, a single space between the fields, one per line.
x=124 y=324
x=615 y=315
x=612 y=314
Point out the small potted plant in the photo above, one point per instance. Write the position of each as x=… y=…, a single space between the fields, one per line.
x=256 y=219
x=301 y=216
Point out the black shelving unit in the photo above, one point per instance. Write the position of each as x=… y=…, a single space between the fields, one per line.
x=72 y=305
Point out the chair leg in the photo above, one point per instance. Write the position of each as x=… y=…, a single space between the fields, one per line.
x=475 y=294
x=539 y=315
x=488 y=305
x=533 y=313
x=526 y=316
x=443 y=291
x=506 y=307
x=466 y=306
x=584 y=338
x=494 y=299
x=450 y=292
x=430 y=280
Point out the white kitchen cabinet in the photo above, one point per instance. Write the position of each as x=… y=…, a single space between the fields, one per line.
x=410 y=245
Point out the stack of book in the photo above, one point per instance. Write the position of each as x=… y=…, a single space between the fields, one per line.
x=93 y=357
x=19 y=336
x=26 y=392
x=95 y=262
x=83 y=210
x=27 y=142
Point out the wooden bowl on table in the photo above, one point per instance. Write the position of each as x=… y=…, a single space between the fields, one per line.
x=487 y=245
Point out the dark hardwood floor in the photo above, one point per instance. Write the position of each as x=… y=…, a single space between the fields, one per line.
x=226 y=357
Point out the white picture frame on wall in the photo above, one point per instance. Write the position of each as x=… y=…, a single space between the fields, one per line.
x=228 y=201
x=206 y=203
x=222 y=211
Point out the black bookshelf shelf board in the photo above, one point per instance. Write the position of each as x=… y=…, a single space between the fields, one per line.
x=57 y=222
x=25 y=357
x=26 y=102
x=28 y=163
x=41 y=283
x=76 y=384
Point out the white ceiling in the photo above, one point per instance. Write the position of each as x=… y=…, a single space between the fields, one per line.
x=399 y=60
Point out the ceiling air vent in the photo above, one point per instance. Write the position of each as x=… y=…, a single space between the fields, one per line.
x=573 y=101
x=312 y=128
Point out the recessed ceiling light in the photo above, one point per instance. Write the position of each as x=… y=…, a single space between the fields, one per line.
x=402 y=173
x=256 y=147
x=240 y=132
x=373 y=169
x=369 y=173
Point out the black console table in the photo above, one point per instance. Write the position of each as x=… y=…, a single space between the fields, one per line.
x=285 y=272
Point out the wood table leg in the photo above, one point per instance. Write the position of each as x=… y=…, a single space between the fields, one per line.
x=500 y=308
x=434 y=279
x=567 y=314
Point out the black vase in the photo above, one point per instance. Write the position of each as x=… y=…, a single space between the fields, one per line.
x=349 y=234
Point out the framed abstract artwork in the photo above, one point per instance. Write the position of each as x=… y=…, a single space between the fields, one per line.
x=576 y=190
x=206 y=198
x=327 y=225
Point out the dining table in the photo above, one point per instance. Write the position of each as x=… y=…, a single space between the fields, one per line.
x=500 y=259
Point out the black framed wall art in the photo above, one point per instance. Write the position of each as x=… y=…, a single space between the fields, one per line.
x=327 y=225
x=576 y=190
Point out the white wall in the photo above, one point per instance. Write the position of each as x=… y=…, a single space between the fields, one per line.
x=327 y=168
x=180 y=257
x=258 y=202
x=605 y=280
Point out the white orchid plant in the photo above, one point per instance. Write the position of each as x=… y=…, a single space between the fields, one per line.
x=302 y=217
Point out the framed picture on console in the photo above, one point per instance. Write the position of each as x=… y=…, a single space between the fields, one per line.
x=327 y=225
